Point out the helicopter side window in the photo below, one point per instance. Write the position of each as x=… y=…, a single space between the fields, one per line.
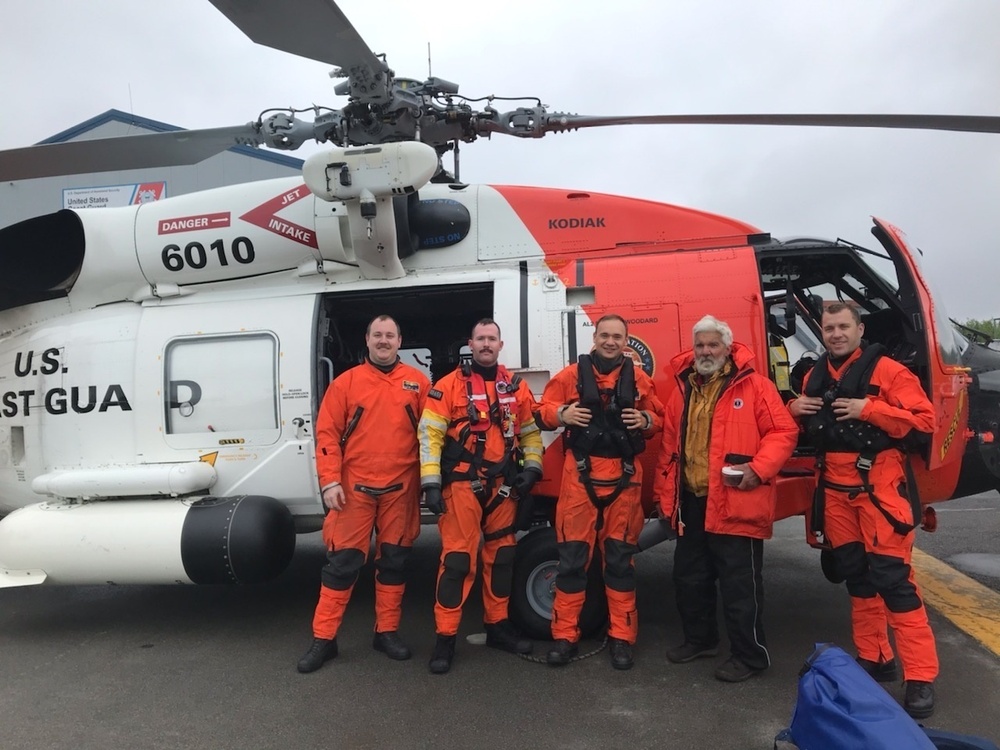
x=220 y=385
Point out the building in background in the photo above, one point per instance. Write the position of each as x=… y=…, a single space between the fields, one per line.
x=24 y=199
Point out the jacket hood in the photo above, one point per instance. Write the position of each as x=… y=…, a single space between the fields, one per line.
x=742 y=356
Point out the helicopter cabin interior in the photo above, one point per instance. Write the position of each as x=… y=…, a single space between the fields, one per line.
x=434 y=337
x=801 y=276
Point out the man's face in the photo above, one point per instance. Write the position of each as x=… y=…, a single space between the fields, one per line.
x=383 y=342
x=710 y=354
x=610 y=339
x=485 y=344
x=841 y=333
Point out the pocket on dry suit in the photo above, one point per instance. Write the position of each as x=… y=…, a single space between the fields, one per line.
x=747 y=505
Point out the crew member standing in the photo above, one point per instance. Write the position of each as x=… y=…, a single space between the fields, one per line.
x=367 y=460
x=722 y=413
x=608 y=407
x=477 y=420
x=857 y=406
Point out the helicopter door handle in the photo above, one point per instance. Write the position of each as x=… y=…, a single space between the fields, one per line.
x=328 y=364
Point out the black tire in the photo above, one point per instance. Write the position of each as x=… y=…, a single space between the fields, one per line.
x=534 y=588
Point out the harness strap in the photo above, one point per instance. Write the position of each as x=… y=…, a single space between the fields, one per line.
x=620 y=484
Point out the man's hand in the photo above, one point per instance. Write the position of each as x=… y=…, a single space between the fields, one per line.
x=525 y=480
x=433 y=499
x=849 y=408
x=634 y=419
x=575 y=415
x=750 y=479
x=333 y=497
x=805 y=406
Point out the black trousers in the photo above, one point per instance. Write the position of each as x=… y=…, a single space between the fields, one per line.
x=702 y=558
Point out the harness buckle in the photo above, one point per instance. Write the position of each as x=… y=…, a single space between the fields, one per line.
x=477 y=485
x=628 y=468
x=504 y=491
x=864 y=463
x=581 y=464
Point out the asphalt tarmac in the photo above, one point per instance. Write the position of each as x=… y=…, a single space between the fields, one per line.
x=212 y=667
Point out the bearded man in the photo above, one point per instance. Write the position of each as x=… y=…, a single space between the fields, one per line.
x=722 y=414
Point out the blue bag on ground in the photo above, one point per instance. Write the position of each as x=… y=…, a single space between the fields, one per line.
x=840 y=706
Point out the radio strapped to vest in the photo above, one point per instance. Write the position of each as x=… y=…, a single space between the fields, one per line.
x=606 y=436
x=852 y=435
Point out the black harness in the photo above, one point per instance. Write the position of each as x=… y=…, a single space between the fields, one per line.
x=481 y=473
x=851 y=436
x=606 y=436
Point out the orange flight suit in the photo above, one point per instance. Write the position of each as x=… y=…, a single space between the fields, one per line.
x=466 y=519
x=576 y=516
x=366 y=439
x=874 y=558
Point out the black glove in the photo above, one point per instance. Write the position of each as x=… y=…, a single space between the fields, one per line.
x=524 y=481
x=433 y=499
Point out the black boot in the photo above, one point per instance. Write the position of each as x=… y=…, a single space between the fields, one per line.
x=444 y=652
x=504 y=636
x=880 y=671
x=919 y=700
x=621 y=653
x=390 y=644
x=320 y=652
x=562 y=652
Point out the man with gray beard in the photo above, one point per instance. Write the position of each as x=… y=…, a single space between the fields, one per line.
x=726 y=434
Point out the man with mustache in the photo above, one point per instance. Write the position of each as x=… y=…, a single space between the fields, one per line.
x=723 y=413
x=608 y=407
x=477 y=421
x=366 y=458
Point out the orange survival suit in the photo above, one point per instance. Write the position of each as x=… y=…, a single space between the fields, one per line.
x=475 y=421
x=600 y=492
x=366 y=440
x=867 y=518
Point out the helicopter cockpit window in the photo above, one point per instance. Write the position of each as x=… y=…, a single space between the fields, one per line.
x=222 y=387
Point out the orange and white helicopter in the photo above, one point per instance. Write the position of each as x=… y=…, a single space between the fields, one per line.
x=161 y=364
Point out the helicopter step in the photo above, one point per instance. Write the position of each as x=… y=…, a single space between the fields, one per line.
x=242 y=539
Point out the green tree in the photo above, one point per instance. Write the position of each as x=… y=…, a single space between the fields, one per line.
x=990 y=327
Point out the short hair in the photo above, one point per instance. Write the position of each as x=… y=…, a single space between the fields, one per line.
x=379 y=319
x=611 y=316
x=710 y=324
x=835 y=307
x=485 y=322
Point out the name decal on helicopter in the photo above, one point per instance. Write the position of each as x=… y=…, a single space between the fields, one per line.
x=584 y=222
x=266 y=217
x=190 y=223
x=80 y=399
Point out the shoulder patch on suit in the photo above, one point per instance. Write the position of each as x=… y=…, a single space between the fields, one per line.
x=409 y=385
x=434 y=393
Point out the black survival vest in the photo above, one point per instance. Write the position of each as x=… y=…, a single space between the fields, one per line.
x=606 y=436
x=852 y=435
x=482 y=473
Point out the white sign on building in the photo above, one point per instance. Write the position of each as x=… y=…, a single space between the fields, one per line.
x=113 y=196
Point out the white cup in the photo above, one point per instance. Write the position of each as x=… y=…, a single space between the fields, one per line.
x=731 y=476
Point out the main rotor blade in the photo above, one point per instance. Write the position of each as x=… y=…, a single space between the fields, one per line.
x=316 y=29
x=556 y=122
x=174 y=148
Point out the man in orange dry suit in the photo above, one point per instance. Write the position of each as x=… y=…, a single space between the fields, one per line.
x=367 y=460
x=608 y=406
x=477 y=419
x=722 y=413
x=857 y=405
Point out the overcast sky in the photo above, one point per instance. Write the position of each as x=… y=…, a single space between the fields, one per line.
x=183 y=63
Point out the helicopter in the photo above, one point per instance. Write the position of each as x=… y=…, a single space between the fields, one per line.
x=161 y=365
